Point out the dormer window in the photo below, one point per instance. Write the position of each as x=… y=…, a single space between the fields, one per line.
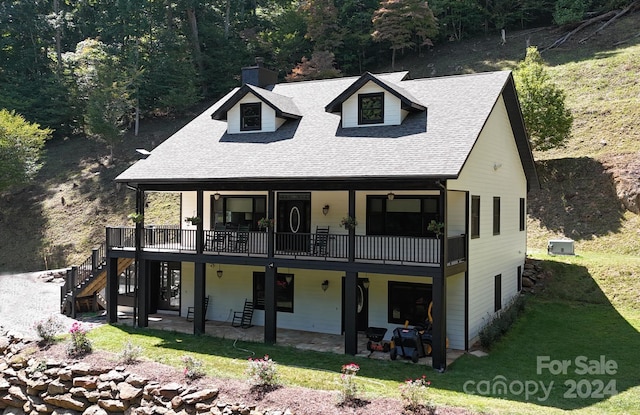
x=371 y=108
x=251 y=116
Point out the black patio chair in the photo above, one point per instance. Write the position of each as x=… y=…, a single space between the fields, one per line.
x=243 y=318
x=191 y=310
x=321 y=241
x=241 y=241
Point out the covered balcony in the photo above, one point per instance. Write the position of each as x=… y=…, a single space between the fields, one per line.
x=321 y=246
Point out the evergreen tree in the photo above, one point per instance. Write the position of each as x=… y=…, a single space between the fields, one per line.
x=546 y=117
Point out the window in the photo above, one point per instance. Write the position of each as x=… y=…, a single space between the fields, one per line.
x=402 y=216
x=497 y=289
x=371 y=108
x=522 y=214
x=475 y=216
x=519 y=277
x=251 y=116
x=127 y=281
x=408 y=301
x=239 y=210
x=284 y=291
x=496 y=216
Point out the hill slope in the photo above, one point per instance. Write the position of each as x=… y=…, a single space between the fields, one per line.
x=56 y=221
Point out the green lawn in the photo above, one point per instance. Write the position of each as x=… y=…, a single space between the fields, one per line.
x=586 y=315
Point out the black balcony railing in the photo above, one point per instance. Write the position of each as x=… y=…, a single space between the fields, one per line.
x=368 y=248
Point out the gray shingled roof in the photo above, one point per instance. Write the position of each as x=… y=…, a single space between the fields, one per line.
x=284 y=106
x=315 y=146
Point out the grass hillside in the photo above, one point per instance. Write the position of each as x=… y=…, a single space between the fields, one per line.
x=57 y=220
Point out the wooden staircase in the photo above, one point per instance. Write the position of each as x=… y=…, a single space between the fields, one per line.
x=81 y=291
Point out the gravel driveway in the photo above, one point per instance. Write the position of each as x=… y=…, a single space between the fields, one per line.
x=26 y=299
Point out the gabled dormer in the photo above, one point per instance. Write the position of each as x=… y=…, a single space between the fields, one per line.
x=371 y=101
x=251 y=109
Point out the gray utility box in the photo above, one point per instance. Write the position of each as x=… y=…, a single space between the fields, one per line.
x=560 y=247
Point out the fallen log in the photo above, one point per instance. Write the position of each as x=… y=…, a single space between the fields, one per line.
x=608 y=22
x=584 y=24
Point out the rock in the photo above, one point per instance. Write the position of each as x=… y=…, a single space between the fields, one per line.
x=136 y=380
x=200 y=396
x=112 y=375
x=56 y=388
x=170 y=390
x=526 y=282
x=95 y=410
x=128 y=392
x=66 y=401
x=87 y=382
x=112 y=405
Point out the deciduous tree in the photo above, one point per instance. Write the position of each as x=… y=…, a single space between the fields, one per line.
x=404 y=24
x=546 y=117
x=21 y=144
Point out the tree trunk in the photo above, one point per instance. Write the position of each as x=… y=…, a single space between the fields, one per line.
x=58 y=36
x=227 y=17
x=195 y=38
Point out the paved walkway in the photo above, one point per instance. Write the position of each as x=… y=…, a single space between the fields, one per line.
x=304 y=340
x=25 y=299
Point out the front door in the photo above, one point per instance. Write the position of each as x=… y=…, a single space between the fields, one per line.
x=293 y=223
x=169 y=286
x=362 y=306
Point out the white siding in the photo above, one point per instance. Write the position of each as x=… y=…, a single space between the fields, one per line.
x=270 y=122
x=493 y=169
x=392 y=110
x=314 y=310
x=455 y=311
x=456 y=210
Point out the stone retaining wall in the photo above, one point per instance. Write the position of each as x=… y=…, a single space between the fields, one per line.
x=29 y=386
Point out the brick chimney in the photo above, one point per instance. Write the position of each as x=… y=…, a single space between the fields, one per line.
x=258 y=75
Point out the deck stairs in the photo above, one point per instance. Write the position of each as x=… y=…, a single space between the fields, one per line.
x=84 y=284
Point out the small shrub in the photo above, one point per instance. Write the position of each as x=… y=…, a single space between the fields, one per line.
x=47 y=329
x=262 y=372
x=130 y=353
x=192 y=368
x=348 y=387
x=79 y=344
x=502 y=322
x=37 y=366
x=414 y=393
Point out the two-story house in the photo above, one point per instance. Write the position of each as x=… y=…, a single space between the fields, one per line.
x=435 y=173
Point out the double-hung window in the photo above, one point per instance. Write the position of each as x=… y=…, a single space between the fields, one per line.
x=251 y=116
x=371 y=108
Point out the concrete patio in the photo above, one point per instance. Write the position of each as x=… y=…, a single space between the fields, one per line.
x=303 y=340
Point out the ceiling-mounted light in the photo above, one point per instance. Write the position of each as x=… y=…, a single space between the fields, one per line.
x=219 y=272
x=216 y=196
x=289 y=278
x=325 y=209
x=325 y=285
x=391 y=195
x=366 y=284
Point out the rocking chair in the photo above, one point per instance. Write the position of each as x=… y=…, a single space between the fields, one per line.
x=243 y=318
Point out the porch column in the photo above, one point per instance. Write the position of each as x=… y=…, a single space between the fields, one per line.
x=270 y=310
x=439 y=295
x=270 y=272
x=350 y=313
x=351 y=288
x=199 y=291
x=143 y=294
x=112 y=289
x=200 y=225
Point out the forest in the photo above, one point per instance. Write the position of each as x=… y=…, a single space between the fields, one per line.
x=96 y=67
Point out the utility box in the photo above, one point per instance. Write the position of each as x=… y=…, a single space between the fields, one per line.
x=560 y=247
